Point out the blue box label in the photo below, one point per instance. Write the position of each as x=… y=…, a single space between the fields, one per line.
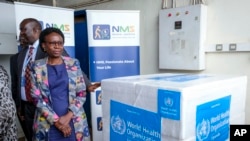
x=180 y=78
x=128 y=123
x=169 y=104
x=212 y=120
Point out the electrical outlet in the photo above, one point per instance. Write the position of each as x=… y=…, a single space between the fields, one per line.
x=232 y=46
x=219 y=47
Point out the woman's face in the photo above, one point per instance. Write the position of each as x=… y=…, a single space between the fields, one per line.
x=53 y=45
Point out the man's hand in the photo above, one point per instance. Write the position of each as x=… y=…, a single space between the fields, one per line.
x=94 y=86
x=19 y=114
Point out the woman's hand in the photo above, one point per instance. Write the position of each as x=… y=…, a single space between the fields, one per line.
x=64 y=120
x=63 y=124
x=65 y=129
x=79 y=136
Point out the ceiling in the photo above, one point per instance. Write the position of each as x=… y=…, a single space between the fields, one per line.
x=63 y=3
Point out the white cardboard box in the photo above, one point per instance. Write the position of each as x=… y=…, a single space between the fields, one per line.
x=161 y=107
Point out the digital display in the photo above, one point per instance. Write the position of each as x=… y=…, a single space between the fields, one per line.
x=177 y=25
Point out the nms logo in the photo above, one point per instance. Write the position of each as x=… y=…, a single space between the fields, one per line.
x=123 y=29
x=62 y=27
x=101 y=32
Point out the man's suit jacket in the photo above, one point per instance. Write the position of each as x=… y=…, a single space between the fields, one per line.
x=14 y=87
x=14 y=76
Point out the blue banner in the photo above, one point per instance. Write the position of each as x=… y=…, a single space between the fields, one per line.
x=113 y=47
x=114 y=42
x=109 y=62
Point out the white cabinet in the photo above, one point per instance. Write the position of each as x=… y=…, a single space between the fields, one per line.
x=182 y=33
x=8 y=43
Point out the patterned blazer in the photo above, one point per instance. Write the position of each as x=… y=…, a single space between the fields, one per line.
x=45 y=116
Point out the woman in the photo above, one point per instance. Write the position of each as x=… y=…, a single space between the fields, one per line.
x=8 y=129
x=59 y=93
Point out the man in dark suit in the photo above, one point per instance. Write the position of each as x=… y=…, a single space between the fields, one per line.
x=30 y=30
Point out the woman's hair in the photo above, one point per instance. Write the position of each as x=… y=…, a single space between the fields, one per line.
x=46 y=32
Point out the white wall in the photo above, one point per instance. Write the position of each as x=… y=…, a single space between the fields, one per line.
x=227 y=23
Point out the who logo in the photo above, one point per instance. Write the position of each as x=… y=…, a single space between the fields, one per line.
x=101 y=32
x=118 y=125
